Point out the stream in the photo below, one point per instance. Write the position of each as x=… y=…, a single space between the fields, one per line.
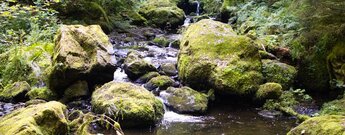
x=222 y=119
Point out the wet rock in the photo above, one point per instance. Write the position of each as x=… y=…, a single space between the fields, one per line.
x=132 y=105
x=82 y=105
x=270 y=113
x=162 y=13
x=185 y=100
x=34 y=102
x=321 y=125
x=161 y=42
x=145 y=78
x=135 y=66
x=275 y=71
x=269 y=91
x=15 y=91
x=169 y=69
x=40 y=119
x=42 y=93
x=160 y=83
x=79 y=89
x=212 y=55
x=81 y=52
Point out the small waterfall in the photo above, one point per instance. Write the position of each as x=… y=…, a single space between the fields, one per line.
x=170 y=116
x=187 y=21
x=120 y=76
x=197 y=8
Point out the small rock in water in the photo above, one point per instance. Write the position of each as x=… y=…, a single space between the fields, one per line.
x=270 y=113
x=169 y=69
x=8 y=106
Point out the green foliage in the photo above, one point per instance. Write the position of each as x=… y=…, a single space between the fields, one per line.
x=288 y=99
x=25 y=25
x=107 y=13
x=271 y=22
x=323 y=22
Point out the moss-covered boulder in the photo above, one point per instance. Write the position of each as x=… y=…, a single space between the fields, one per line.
x=15 y=91
x=160 y=82
x=185 y=100
x=212 y=55
x=322 y=125
x=269 y=91
x=169 y=69
x=41 y=119
x=162 y=13
x=42 y=93
x=275 y=71
x=147 y=77
x=135 y=66
x=81 y=52
x=133 y=105
x=161 y=41
x=79 y=89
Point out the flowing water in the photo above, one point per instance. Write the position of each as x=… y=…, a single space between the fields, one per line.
x=219 y=120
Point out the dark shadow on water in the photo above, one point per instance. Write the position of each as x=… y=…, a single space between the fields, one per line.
x=223 y=119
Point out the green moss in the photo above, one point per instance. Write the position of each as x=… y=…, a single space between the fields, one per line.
x=335 y=107
x=322 y=125
x=186 y=100
x=41 y=119
x=161 y=41
x=275 y=71
x=135 y=66
x=132 y=105
x=287 y=101
x=162 y=13
x=212 y=55
x=147 y=77
x=14 y=91
x=81 y=52
x=42 y=93
x=161 y=82
x=269 y=91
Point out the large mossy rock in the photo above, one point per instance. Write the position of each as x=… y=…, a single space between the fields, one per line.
x=269 y=91
x=41 y=119
x=278 y=72
x=81 y=52
x=322 y=125
x=136 y=67
x=185 y=100
x=15 y=91
x=212 y=55
x=132 y=105
x=162 y=13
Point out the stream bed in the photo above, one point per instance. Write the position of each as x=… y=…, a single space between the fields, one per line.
x=221 y=120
